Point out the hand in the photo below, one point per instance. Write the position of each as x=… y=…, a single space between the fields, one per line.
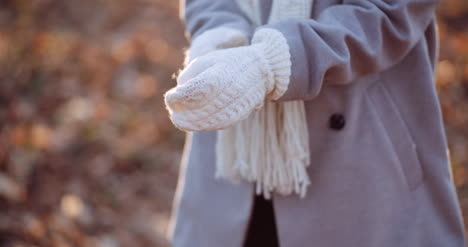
x=223 y=87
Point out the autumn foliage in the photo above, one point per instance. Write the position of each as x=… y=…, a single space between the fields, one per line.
x=88 y=156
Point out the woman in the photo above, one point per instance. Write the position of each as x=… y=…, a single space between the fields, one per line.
x=376 y=171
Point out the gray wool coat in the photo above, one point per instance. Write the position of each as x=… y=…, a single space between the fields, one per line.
x=380 y=172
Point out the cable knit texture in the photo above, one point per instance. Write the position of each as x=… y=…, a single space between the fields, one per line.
x=231 y=90
x=271 y=146
x=223 y=87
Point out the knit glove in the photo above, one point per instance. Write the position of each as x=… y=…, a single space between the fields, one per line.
x=223 y=87
x=214 y=39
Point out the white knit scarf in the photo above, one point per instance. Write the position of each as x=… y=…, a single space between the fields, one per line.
x=270 y=147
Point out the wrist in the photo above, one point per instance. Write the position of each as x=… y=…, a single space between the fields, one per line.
x=275 y=59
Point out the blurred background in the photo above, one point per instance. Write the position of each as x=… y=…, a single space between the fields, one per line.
x=88 y=156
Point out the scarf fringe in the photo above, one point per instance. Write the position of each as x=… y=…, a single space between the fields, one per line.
x=266 y=149
x=270 y=147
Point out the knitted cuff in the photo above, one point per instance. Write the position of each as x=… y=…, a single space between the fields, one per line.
x=276 y=60
x=213 y=39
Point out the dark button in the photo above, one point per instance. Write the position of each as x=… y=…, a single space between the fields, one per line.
x=337 y=121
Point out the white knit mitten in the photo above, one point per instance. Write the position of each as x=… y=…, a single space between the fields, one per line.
x=214 y=39
x=223 y=87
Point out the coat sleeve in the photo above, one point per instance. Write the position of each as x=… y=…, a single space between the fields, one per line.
x=351 y=40
x=203 y=15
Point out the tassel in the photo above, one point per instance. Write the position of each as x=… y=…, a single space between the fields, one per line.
x=271 y=147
